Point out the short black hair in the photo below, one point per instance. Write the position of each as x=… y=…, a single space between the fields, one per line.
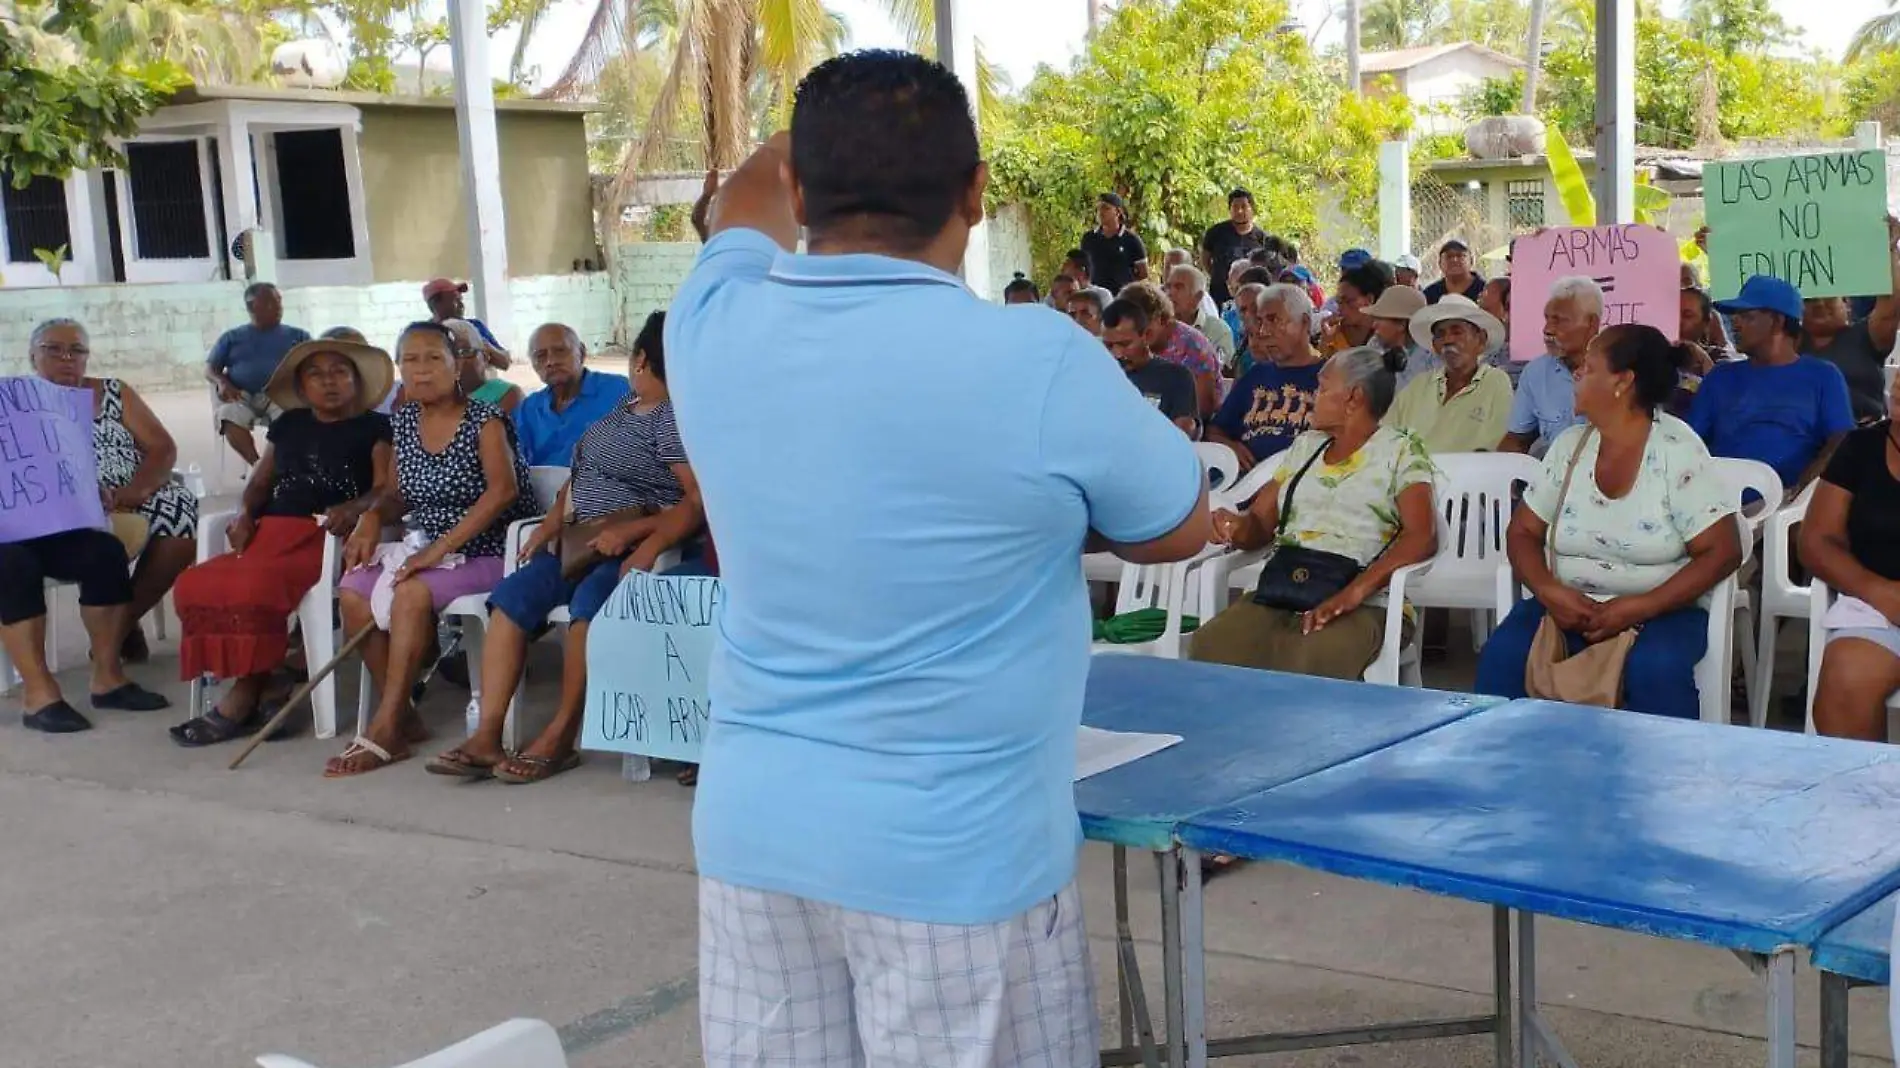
x=1022 y=284
x=884 y=137
x=1239 y=194
x=1122 y=310
x=1372 y=278
x=257 y=289
x=1703 y=304
x=1273 y=243
x=649 y=343
x=1256 y=275
x=1644 y=351
x=1792 y=327
x=1080 y=259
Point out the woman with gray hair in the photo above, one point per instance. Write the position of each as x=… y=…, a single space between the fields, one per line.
x=1349 y=504
x=95 y=559
x=1086 y=306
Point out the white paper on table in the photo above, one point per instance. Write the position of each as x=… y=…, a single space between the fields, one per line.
x=1097 y=751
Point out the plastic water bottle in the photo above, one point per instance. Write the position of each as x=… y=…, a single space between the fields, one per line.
x=634 y=768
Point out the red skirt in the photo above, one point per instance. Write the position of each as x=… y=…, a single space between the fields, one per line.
x=234 y=609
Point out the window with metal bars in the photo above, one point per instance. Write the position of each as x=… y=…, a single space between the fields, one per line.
x=35 y=217
x=165 y=182
x=1524 y=199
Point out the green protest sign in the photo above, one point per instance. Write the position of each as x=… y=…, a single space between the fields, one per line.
x=1818 y=222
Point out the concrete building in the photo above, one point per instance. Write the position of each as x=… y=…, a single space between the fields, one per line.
x=1435 y=78
x=340 y=188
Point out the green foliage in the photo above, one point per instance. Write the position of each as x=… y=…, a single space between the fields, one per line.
x=60 y=104
x=1495 y=96
x=1871 y=91
x=1175 y=104
x=53 y=259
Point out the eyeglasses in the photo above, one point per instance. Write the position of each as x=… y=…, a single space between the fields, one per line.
x=54 y=351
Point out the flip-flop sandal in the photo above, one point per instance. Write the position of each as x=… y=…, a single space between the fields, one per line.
x=360 y=758
x=459 y=765
x=525 y=768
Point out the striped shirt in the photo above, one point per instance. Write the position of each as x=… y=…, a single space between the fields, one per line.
x=625 y=461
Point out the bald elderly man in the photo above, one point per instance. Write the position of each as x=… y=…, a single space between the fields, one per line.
x=550 y=421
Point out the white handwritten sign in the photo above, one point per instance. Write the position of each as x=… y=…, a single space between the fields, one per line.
x=1637 y=267
x=49 y=479
x=647 y=656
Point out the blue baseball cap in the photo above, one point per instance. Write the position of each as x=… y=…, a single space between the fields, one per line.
x=1354 y=257
x=1765 y=293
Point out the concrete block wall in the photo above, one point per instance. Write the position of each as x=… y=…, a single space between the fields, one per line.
x=647 y=274
x=156 y=336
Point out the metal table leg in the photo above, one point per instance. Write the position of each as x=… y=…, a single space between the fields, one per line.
x=1168 y=867
x=1501 y=980
x=1781 y=1023
x=1124 y=935
x=1834 y=1027
x=1534 y=1036
x=1136 y=1024
x=1193 y=1018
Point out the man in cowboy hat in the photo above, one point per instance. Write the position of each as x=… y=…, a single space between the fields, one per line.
x=444 y=298
x=1463 y=404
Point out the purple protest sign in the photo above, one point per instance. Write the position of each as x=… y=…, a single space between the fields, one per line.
x=1639 y=268
x=49 y=475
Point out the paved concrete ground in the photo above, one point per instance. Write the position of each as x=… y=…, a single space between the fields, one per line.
x=161 y=912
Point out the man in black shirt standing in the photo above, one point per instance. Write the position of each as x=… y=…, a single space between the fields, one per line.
x=1225 y=242
x=1116 y=256
x=1168 y=386
x=1454 y=259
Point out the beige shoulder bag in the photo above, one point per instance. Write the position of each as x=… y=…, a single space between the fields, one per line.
x=1594 y=676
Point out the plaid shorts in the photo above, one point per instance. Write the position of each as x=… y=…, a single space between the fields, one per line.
x=787 y=981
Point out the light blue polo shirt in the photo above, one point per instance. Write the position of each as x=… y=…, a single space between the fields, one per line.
x=1546 y=401
x=899 y=669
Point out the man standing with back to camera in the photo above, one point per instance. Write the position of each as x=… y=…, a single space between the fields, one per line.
x=885 y=829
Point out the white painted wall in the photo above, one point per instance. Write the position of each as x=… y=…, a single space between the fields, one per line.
x=1440 y=83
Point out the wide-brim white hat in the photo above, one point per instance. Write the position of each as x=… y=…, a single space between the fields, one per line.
x=1456 y=307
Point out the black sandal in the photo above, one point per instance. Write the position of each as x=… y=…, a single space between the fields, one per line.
x=210 y=729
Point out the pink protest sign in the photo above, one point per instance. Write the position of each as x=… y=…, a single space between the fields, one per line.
x=1639 y=268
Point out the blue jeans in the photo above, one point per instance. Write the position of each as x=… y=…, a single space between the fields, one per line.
x=537 y=588
x=1659 y=677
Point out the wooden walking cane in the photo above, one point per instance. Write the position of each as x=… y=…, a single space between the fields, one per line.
x=303 y=691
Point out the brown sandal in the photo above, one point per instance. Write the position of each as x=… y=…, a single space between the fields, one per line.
x=524 y=768
x=360 y=758
x=456 y=763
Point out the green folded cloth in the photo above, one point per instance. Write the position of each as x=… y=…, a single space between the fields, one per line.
x=1141 y=625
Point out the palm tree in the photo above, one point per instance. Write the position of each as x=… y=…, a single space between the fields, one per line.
x=1877 y=34
x=1390 y=24
x=1533 y=56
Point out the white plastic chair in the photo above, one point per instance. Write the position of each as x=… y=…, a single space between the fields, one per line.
x=1475 y=499
x=1820 y=599
x=1712 y=671
x=1743 y=476
x=1223 y=475
x=1780 y=599
x=1223 y=467
x=314 y=614
x=1398 y=662
x=1166 y=586
x=515 y=1044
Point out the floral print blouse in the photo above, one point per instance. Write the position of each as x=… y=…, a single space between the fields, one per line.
x=1610 y=548
x=1350 y=508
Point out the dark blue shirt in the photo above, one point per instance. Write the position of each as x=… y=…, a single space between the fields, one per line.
x=1269 y=406
x=547 y=436
x=1780 y=415
x=249 y=356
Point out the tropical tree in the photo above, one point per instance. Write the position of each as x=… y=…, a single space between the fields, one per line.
x=1392 y=24
x=1877 y=34
x=1734 y=26
x=1174 y=104
x=62 y=106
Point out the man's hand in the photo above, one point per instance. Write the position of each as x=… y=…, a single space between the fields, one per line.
x=228 y=392
x=1615 y=616
x=1574 y=612
x=703 y=206
x=1339 y=604
x=240 y=531
x=544 y=534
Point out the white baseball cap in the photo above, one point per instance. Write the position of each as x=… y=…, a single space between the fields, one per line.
x=1407 y=262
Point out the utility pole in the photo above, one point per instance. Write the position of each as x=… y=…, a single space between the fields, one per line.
x=1352 y=47
x=1095 y=16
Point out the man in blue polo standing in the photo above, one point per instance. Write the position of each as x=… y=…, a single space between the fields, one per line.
x=885 y=830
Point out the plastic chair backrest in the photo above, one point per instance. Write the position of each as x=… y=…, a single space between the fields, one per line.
x=1223 y=467
x=547 y=483
x=515 y=1044
x=1474 y=502
x=1743 y=476
x=1241 y=490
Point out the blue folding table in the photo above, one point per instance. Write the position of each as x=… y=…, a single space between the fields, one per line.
x=1754 y=841
x=1857 y=953
x=1242 y=732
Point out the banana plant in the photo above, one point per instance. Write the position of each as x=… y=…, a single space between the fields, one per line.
x=1573 y=189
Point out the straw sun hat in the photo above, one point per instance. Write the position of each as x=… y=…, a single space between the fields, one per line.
x=374 y=371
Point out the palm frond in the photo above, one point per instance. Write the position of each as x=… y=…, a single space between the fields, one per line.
x=1877 y=34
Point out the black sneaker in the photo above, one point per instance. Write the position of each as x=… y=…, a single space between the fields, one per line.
x=130 y=698
x=57 y=718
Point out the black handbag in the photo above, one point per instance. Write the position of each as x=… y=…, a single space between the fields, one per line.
x=1298 y=579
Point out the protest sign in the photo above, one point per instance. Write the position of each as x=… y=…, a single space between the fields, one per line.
x=648 y=652
x=1638 y=267
x=49 y=477
x=1818 y=222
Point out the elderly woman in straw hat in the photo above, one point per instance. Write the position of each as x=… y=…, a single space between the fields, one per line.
x=327 y=461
